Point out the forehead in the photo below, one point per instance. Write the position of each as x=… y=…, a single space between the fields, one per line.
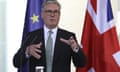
x=51 y=6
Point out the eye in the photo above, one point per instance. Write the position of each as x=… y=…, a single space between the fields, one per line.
x=48 y=11
x=55 y=12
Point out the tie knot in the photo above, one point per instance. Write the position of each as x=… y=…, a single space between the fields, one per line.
x=50 y=32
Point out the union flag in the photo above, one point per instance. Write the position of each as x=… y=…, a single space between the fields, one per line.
x=99 y=39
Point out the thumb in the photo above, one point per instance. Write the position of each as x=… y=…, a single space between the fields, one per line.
x=65 y=41
x=39 y=45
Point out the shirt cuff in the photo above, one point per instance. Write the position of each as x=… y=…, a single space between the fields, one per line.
x=75 y=50
x=27 y=55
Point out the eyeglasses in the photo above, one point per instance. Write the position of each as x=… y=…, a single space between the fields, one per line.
x=56 y=12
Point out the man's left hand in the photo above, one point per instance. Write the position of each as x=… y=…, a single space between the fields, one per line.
x=71 y=41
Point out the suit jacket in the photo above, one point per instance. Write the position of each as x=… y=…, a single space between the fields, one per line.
x=62 y=53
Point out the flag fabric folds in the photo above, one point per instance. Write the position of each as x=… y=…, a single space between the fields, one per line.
x=33 y=21
x=99 y=39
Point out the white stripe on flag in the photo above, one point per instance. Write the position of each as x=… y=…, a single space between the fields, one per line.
x=91 y=69
x=98 y=18
x=116 y=56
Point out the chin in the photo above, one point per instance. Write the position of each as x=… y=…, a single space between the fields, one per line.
x=53 y=26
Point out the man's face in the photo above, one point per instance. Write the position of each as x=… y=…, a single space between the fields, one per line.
x=51 y=15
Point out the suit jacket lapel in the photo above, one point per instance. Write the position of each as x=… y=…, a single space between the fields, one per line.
x=57 y=49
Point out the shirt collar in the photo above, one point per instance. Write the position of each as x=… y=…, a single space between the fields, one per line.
x=54 y=30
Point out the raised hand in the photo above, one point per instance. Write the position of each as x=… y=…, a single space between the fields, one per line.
x=34 y=50
x=71 y=41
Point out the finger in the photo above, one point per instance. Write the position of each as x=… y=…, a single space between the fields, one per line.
x=73 y=43
x=32 y=49
x=38 y=51
x=38 y=45
x=37 y=56
x=71 y=38
x=65 y=41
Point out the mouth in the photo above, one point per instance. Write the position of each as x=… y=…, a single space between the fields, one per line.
x=52 y=20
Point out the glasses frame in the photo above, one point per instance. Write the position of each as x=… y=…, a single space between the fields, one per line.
x=49 y=12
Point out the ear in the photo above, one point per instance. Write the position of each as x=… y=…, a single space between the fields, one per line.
x=42 y=14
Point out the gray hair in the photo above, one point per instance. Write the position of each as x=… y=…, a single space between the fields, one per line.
x=50 y=2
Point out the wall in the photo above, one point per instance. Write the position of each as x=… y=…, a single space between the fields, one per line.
x=118 y=5
x=15 y=13
x=2 y=36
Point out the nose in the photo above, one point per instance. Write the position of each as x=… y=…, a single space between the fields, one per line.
x=52 y=14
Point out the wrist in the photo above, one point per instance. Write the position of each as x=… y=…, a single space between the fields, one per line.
x=27 y=53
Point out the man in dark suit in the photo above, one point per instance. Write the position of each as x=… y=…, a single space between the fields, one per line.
x=64 y=45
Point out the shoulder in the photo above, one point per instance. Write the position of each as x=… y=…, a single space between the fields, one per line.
x=65 y=31
x=34 y=33
x=38 y=31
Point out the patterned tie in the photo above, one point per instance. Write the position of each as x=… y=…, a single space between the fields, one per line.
x=49 y=52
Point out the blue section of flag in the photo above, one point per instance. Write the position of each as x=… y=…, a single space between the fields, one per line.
x=33 y=8
x=33 y=21
x=109 y=11
x=25 y=68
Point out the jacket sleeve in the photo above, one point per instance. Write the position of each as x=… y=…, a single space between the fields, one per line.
x=20 y=58
x=79 y=58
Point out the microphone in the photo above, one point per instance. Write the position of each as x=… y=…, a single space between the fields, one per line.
x=39 y=69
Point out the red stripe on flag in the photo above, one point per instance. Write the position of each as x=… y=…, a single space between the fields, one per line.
x=94 y=4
